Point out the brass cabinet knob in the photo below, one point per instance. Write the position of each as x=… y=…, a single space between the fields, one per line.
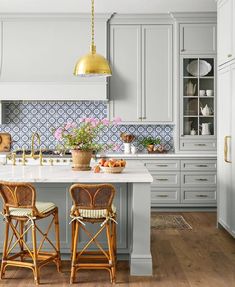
x=230 y=55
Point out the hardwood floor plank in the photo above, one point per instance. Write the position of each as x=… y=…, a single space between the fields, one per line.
x=201 y=257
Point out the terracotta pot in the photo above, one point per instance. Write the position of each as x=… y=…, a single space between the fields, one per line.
x=81 y=159
x=150 y=147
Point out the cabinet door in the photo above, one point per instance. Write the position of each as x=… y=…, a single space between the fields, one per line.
x=197 y=38
x=224 y=186
x=233 y=148
x=125 y=84
x=157 y=73
x=225 y=31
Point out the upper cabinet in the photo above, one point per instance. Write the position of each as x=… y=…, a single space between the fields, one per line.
x=141 y=85
x=198 y=38
x=226 y=31
x=38 y=55
x=157 y=73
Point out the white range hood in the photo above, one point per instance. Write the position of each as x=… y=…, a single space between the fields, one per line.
x=38 y=54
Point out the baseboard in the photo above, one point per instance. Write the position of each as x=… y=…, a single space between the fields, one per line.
x=183 y=209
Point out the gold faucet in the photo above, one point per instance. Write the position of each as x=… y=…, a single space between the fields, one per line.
x=32 y=154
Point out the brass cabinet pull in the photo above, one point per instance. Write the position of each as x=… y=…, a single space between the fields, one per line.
x=226 y=149
x=202 y=165
x=162 y=195
x=162 y=179
x=201 y=179
x=200 y=144
x=201 y=195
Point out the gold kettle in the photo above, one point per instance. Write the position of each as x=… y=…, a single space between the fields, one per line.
x=190 y=89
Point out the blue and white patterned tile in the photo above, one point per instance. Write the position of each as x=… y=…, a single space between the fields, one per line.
x=24 y=118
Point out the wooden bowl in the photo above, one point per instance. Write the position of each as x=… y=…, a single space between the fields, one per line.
x=117 y=169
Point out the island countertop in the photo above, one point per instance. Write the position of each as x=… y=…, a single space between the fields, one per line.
x=134 y=172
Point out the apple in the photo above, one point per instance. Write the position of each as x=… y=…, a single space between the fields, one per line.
x=96 y=169
x=102 y=161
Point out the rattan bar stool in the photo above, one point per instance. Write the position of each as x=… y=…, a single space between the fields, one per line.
x=21 y=212
x=93 y=204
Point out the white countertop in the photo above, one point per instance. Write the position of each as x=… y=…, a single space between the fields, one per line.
x=157 y=155
x=134 y=172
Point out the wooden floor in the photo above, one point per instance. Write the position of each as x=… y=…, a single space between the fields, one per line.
x=204 y=256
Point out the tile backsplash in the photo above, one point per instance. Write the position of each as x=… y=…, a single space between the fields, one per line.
x=21 y=119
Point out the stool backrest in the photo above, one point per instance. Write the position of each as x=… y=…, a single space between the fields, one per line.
x=92 y=196
x=18 y=194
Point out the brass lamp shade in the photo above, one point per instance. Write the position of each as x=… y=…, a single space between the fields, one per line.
x=92 y=65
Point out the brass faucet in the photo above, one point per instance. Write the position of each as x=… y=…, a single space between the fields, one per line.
x=32 y=154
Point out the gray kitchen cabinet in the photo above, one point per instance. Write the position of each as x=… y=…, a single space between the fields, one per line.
x=198 y=38
x=141 y=85
x=226 y=35
x=157 y=73
x=183 y=182
x=125 y=84
x=197 y=130
x=225 y=172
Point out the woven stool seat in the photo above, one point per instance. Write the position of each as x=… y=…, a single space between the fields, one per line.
x=94 y=213
x=42 y=207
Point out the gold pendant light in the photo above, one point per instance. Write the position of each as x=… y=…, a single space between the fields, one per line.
x=92 y=64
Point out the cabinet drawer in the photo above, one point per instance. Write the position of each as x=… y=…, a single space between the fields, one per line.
x=166 y=179
x=198 y=196
x=163 y=165
x=197 y=145
x=198 y=179
x=198 y=164
x=165 y=195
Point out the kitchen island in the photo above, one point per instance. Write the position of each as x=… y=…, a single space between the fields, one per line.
x=132 y=201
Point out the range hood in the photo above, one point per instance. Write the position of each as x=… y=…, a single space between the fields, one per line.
x=38 y=53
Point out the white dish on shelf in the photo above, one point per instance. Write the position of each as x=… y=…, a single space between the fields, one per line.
x=199 y=68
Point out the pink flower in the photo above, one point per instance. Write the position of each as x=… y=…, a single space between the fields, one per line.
x=105 y=122
x=116 y=147
x=58 y=134
x=70 y=125
x=117 y=120
x=88 y=120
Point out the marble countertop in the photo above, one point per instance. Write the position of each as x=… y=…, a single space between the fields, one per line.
x=134 y=172
x=145 y=155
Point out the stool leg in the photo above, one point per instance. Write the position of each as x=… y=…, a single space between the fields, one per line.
x=74 y=253
x=20 y=242
x=4 y=254
x=111 y=256
x=35 y=261
x=57 y=234
x=114 y=245
x=73 y=226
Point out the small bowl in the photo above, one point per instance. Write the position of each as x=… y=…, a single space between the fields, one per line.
x=117 y=169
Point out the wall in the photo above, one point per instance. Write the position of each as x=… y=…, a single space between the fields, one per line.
x=101 y=6
x=24 y=118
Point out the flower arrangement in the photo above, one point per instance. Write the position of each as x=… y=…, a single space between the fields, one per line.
x=82 y=136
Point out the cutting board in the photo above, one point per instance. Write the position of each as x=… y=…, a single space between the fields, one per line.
x=5 y=142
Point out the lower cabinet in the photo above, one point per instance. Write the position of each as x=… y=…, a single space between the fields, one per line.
x=183 y=182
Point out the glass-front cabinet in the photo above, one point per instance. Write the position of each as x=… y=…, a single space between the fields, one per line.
x=197 y=93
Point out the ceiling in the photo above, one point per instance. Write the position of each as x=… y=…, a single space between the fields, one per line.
x=102 y=6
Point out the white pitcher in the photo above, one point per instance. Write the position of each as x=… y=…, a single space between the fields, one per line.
x=205 y=129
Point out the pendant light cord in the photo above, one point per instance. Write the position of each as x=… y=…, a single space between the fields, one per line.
x=93 y=49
